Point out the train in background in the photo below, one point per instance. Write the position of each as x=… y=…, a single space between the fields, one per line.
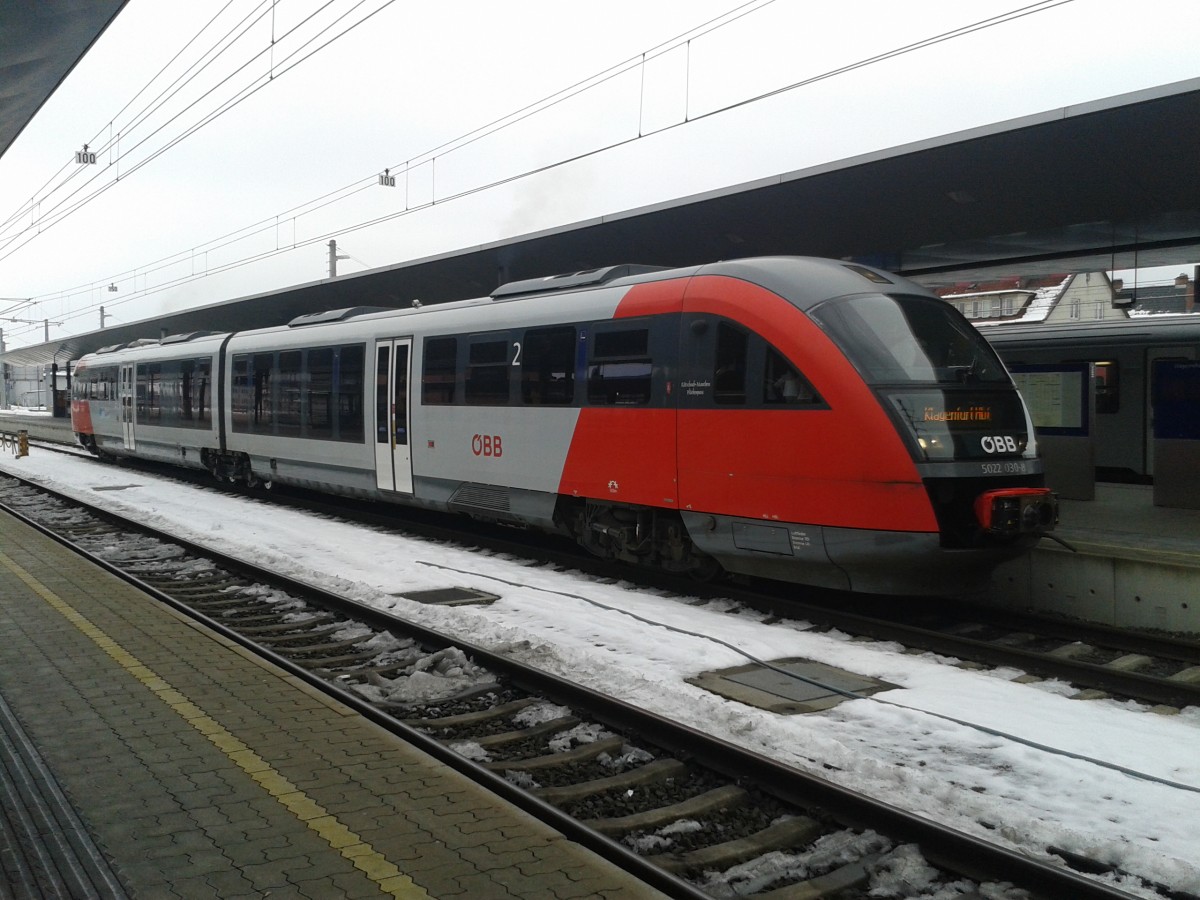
x=1121 y=355
x=807 y=420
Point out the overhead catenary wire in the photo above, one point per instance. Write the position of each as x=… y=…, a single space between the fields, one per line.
x=51 y=217
x=497 y=125
x=48 y=218
x=127 y=128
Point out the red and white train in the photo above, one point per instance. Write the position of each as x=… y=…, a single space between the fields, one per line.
x=801 y=419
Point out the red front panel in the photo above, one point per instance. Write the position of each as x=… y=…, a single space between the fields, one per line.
x=81 y=417
x=808 y=466
x=843 y=466
x=623 y=455
x=627 y=454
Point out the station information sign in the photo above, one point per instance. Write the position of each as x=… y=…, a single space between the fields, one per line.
x=1058 y=397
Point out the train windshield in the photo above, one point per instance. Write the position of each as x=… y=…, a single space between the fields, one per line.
x=904 y=340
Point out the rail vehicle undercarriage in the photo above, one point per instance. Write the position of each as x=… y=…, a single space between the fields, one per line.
x=640 y=535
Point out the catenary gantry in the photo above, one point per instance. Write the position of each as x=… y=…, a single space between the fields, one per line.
x=1106 y=184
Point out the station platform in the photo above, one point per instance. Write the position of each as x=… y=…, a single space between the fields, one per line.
x=1127 y=563
x=41 y=426
x=142 y=755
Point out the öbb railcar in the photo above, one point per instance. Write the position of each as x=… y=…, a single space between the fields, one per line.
x=799 y=419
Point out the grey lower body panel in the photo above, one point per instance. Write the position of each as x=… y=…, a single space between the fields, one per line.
x=156 y=451
x=884 y=562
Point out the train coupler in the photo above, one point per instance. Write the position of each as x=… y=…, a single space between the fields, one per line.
x=1013 y=511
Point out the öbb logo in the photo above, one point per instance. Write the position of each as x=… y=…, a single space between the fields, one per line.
x=1000 y=443
x=487 y=445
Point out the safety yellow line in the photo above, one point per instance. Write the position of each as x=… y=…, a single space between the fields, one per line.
x=361 y=854
x=1127 y=553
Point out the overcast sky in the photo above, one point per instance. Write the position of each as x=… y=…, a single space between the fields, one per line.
x=296 y=161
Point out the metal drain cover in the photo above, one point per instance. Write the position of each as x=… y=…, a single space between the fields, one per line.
x=115 y=487
x=789 y=686
x=453 y=596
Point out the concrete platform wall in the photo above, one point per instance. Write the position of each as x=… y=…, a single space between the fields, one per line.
x=1116 y=590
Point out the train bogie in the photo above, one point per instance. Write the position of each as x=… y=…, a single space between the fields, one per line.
x=799 y=419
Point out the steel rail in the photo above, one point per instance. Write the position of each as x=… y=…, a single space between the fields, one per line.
x=963 y=853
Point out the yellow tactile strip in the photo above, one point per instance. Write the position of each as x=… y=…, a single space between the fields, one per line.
x=361 y=854
x=179 y=817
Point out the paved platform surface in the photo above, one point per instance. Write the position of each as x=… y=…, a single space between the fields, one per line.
x=1123 y=517
x=186 y=768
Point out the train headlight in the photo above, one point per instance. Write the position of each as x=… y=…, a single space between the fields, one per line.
x=1013 y=511
x=935 y=446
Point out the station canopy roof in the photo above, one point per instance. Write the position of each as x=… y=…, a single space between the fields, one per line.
x=1107 y=184
x=40 y=43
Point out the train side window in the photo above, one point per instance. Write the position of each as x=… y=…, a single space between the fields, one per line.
x=184 y=387
x=186 y=413
x=262 y=365
x=621 y=369
x=1106 y=376
x=437 y=377
x=350 y=380
x=201 y=393
x=783 y=385
x=240 y=401
x=729 y=376
x=148 y=392
x=318 y=394
x=548 y=366
x=289 y=385
x=250 y=405
x=170 y=376
x=487 y=373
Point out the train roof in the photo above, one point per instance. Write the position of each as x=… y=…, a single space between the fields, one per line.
x=1136 y=329
x=808 y=280
x=803 y=281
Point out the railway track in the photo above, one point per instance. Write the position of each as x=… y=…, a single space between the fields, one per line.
x=1100 y=662
x=1161 y=670
x=670 y=803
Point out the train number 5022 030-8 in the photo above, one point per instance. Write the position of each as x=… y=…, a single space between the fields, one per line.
x=1011 y=467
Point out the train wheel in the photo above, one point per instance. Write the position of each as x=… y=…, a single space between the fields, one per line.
x=706 y=569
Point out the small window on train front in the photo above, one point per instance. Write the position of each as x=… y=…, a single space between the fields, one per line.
x=487 y=373
x=547 y=358
x=437 y=379
x=729 y=377
x=783 y=385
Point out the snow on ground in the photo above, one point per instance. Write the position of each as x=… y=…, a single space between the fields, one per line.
x=1106 y=779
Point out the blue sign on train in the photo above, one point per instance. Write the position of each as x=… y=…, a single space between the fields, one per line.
x=1176 y=393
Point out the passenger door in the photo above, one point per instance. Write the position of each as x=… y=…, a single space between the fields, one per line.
x=1153 y=355
x=393 y=458
x=125 y=396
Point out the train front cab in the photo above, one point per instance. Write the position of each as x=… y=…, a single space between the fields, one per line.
x=152 y=399
x=907 y=465
x=102 y=405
